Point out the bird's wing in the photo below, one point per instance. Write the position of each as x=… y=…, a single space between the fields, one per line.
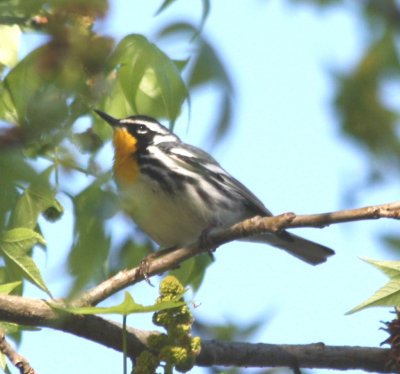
x=202 y=163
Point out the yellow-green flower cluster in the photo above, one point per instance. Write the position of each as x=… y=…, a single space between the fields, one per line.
x=177 y=348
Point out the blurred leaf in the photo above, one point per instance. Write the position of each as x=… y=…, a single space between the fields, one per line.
x=91 y=244
x=54 y=212
x=192 y=271
x=204 y=15
x=389 y=294
x=85 y=8
x=364 y=115
x=228 y=331
x=14 y=170
x=206 y=12
x=128 y=306
x=37 y=198
x=14 y=331
x=149 y=79
x=114 y=102
x=206 y=67
x=164 y=6
x=30 y=98
x=392 y=242
x=129 y=254
x=318 y=2
x=87 y=141
x=15 y=244
x=223 y=120
x=7 y=288
x=55 y=84
x=12 y=328
x=21 y=8
x=3 y=363
x=9 y=45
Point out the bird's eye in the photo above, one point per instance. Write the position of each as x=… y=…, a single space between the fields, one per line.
x=141 y=129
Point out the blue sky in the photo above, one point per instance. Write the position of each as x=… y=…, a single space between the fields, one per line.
x=286 y=147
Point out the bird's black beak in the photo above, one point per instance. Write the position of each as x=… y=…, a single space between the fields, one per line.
x=114 y=122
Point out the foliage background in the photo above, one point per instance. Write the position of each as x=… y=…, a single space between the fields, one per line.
x=314 y=114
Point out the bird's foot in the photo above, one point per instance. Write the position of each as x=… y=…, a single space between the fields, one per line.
x=206 y=242
x=145 y=264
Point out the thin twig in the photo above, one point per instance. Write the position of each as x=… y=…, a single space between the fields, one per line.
x=246 y=228
x=17 y=360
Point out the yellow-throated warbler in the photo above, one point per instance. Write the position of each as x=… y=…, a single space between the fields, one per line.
x=175 y=191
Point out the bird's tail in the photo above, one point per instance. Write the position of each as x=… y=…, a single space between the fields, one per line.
x=303 y=249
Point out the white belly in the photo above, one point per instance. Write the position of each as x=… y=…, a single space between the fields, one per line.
x=180 y=219
x=168 y=220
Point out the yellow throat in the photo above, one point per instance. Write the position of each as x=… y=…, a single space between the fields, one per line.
x=126 y=169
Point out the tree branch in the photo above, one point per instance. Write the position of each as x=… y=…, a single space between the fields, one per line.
x=17 y=360
x=316 y=355
x=34 y=312
x=217 y=237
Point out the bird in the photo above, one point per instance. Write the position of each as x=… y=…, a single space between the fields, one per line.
x=175 y=192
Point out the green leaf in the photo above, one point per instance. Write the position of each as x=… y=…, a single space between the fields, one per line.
x=208 y=68
x=15 y=244
x=129 y=254
x=128 y=306
x=149 y=79
x=31 y=97
x=204 y=15
x=192 y=271
x=164 y=6
x=13 y=328
x=115 y=102
x=389 y=294
x=37 y=198
x=7 y=288
x=93 y=206
x=364 y=112
x=206 y=12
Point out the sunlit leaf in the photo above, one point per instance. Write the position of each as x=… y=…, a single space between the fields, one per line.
x=9 y=45
x=15 y=244
x=149 y=79
x=128 y=306
x=389 y=294
x=7 y=288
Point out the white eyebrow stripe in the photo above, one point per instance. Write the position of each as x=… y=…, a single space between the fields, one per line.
x=152 y=126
